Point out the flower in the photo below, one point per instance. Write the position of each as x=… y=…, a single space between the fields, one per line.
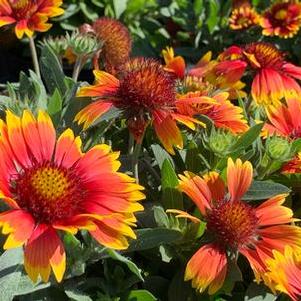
x=243 y=17
x=282 y=19
x=235 y=226
x=274 y=77
x=29 y=16
x=117 y=44
x=145 y=93
x=284 y=272
x=222 y=112
x=174 y=64
x=284 y=120
x=51 y=186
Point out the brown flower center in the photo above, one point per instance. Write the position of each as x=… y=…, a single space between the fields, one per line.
x=23 y=9
x=233 y=223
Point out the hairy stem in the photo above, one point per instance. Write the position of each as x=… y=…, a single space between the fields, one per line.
x=34 y=56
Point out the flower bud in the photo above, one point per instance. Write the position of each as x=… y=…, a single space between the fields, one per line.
x=278 y=148
x=220 y=141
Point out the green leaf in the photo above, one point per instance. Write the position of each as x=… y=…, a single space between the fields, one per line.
x=261 y=190
x=77 y=295
x=247 y=138
x=296 y=146
x=213 y=17
x=171 y=197
x=55 y=106
x=153 y=237
x=161 y=155
x=131 y=265
x=140 y=295
x=119 y=7
x=161 y=217
x=52 y=71
x=12 y=281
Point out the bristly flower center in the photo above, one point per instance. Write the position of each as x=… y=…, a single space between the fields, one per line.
x=50 y=193
x=233 y=224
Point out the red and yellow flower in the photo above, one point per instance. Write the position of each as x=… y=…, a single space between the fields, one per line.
x=235 y=226
x=175 y=64
x=51 y=186
x=274 y=77
x=222 y=112
x=145 y=93
x=243 y=16
x=284 y=121
x=29 y=16
x=284 y=272
x=282 y=19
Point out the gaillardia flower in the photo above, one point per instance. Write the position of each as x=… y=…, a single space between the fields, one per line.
x=282 y=19
x=117 y=43
x=28 y=15
x=284 y=121
x=222 y=112
x=284 y=272
x=243 y=17
x=51 y=186
x=235 y=225
x=274 y=77
x=144 y=93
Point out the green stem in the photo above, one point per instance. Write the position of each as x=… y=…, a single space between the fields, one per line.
x=34 y=56
x=77 y=68
x=135 y=161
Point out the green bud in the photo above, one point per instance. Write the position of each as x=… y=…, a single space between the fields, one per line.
x=84 y=44
x=278 y=148
x=59 y=44
x=220 y=141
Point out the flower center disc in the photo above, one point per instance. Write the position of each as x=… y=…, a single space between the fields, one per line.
x=145 y=86
x=48 y=192
x=232 y=223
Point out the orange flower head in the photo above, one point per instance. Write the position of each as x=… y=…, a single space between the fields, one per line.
x=146 y=94
x=282 y=19
x=50 y=186
x=175 y=64
x=274 y=77
x=243 y=17
x=29 y=16
x=235 y=226
x=218 y=108
x=117 y=43
x=284 y=272
x=145 y=86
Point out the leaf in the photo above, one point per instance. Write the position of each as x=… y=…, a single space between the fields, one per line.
x=161 y=155
x=153 y=237
x=247 y=138
x=257 y=292
x=55 y=105
x=52 y=71
x=261 y=190
x=119 y=7
x=77 y=295
x=12 y=281
x=213 y=17
x=131 y=265
x=171 y=197
x=140 y=295
x=290 y=180
x=161 y=217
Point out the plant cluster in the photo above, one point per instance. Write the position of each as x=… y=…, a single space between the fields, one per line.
x=154 y=179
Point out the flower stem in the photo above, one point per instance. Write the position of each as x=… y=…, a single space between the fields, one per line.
x=77 y=68
x=34 y=56
x=135 y=161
